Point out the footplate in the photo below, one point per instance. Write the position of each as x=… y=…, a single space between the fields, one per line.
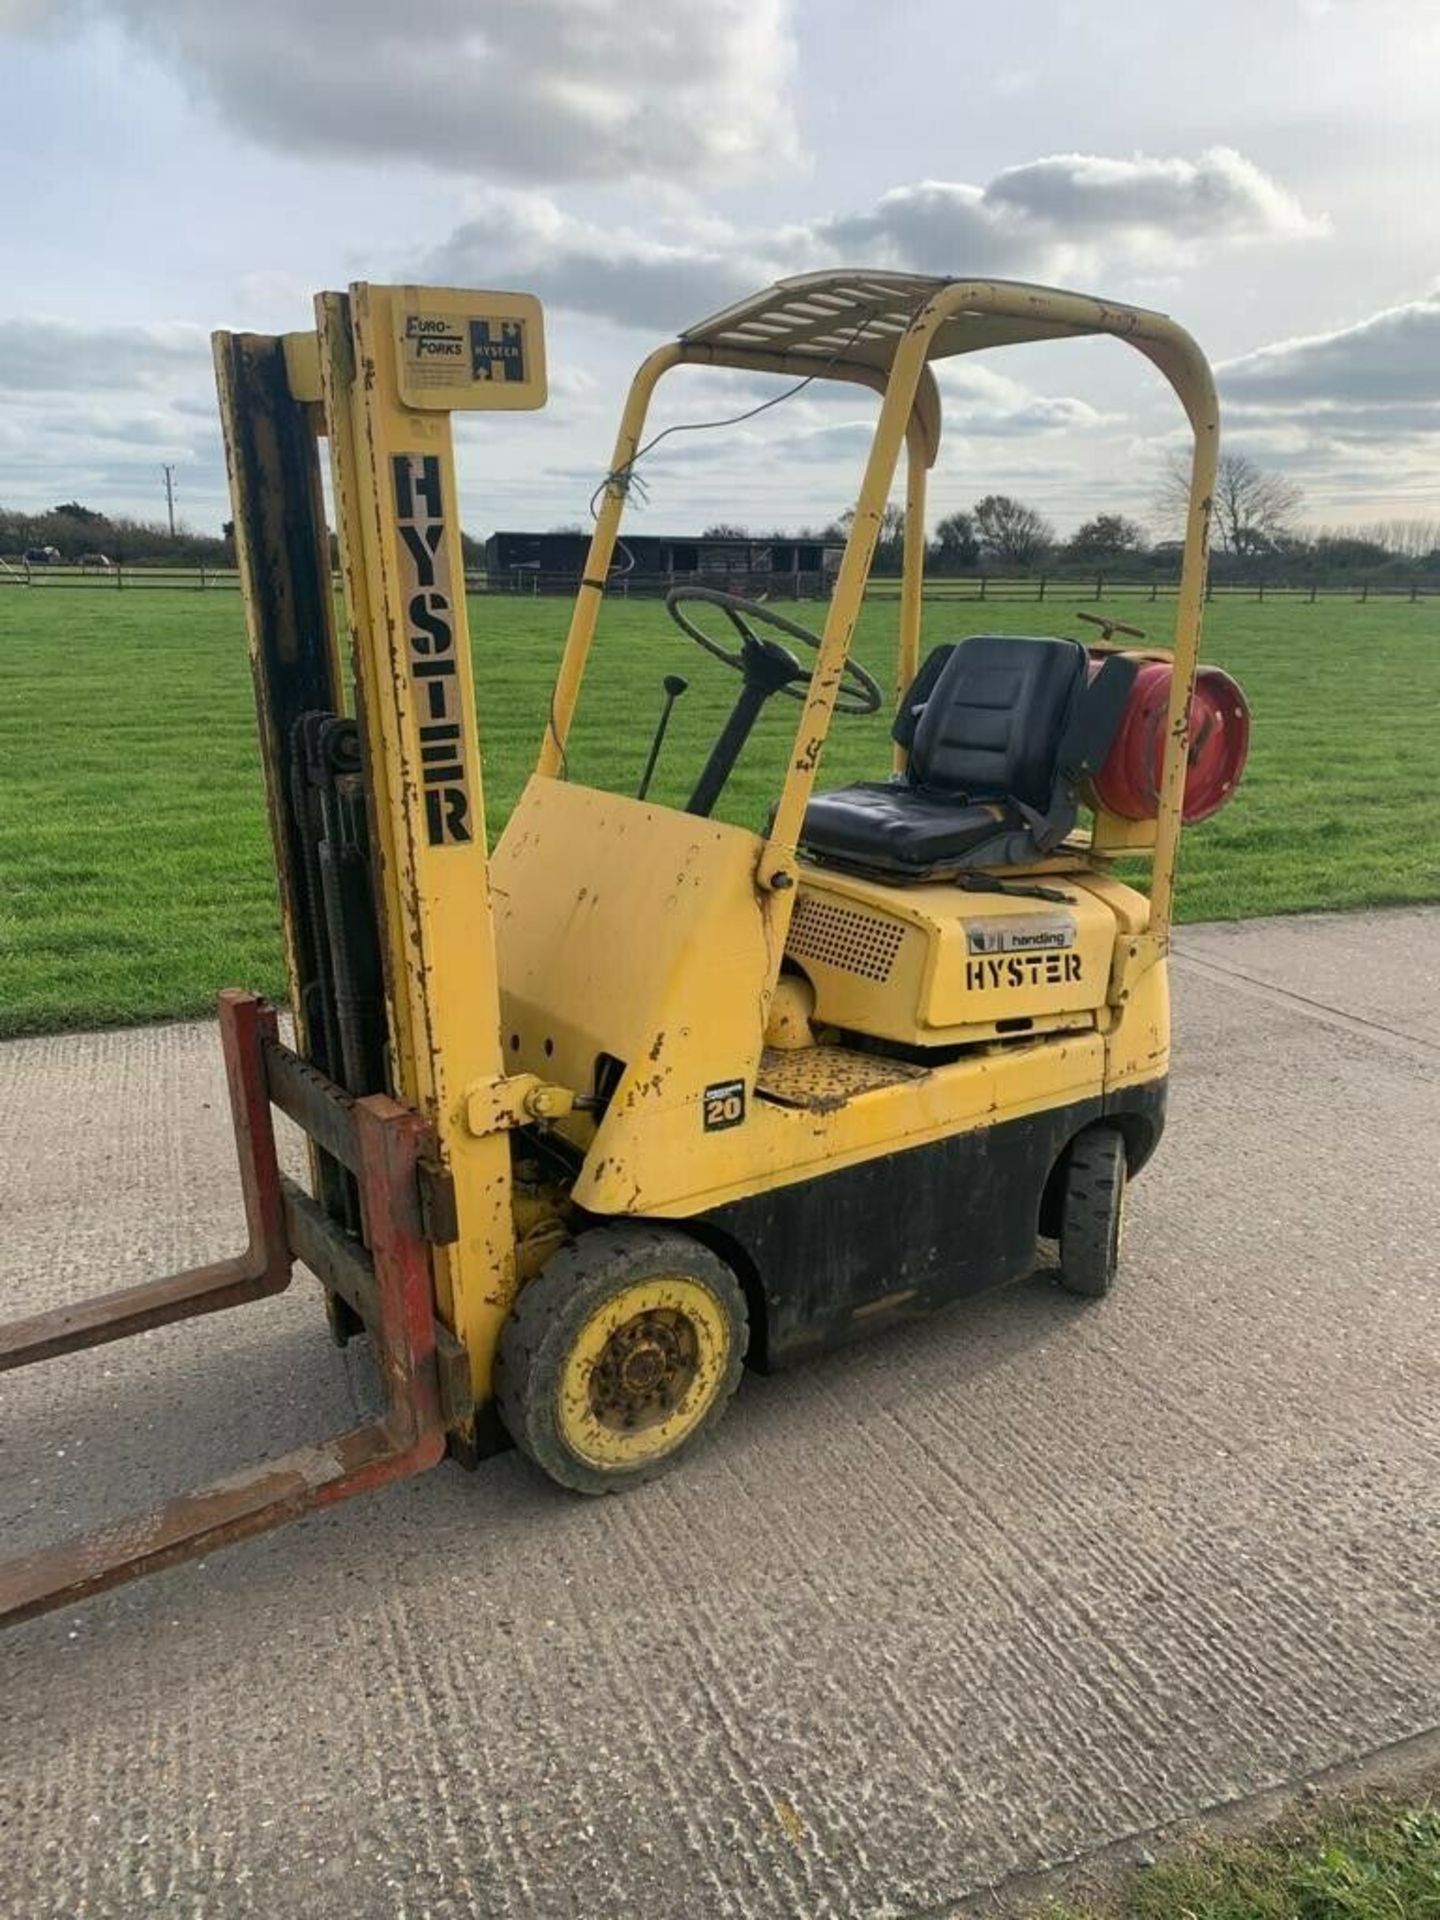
x=387 y=1282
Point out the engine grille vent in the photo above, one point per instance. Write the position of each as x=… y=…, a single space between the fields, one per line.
x=839 y=937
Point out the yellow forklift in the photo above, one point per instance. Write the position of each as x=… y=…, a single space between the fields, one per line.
x=597 y=1115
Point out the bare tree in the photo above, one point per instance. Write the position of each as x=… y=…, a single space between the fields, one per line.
x=1012 y=532
x=1411 y=539
x=1253 y=509
x=889 y=542
x=890 y=547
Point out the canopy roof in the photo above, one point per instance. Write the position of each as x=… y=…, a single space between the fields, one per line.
x=859 y=317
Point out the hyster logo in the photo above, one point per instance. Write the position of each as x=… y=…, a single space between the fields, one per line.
x=1023 y=970
x=497 y=350
x=430 y=646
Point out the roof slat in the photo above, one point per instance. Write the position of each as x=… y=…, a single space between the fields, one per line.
x=861 y=315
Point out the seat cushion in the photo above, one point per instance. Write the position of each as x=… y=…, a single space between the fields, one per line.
x=983 y=722
x=994 y=718
x=891 y=828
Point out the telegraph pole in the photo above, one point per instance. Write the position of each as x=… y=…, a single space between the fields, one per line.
x=170 y=497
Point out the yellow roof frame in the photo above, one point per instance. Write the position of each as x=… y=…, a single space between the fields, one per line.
x=883 y=330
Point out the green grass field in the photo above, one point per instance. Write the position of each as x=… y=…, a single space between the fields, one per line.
x=1374 y=1860
x=135 y=857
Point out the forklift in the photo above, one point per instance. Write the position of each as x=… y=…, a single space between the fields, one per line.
x=597 y=1116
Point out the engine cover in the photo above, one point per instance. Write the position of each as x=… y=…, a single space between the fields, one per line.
x=935 y=965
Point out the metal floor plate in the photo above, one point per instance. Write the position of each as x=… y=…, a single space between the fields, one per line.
x=825 y=1077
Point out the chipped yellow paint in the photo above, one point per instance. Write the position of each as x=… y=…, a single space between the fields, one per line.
x=628 y=929
x=1137 y=1043
x=792 y=1008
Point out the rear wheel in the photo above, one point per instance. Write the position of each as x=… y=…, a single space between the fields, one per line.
x=620 y=1353
x=1092 y=1214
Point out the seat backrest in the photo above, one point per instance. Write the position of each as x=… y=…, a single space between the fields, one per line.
x=907 y=717
x=995 y=717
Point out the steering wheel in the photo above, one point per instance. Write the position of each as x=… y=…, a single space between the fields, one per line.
x=858 y=692
x=1107 y=626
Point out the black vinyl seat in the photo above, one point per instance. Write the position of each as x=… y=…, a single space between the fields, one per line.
x=1000 y=732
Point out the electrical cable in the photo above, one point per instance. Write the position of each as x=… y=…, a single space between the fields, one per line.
x=623 y=476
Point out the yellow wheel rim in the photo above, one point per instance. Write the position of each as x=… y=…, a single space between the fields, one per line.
x=643 y=1372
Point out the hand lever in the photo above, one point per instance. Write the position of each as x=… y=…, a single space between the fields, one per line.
x=674 y=687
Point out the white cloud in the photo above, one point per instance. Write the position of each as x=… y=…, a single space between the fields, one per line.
x=615 y=273
x=1187 y=200
x=1066 y=211
x=62 y=356
x=1353 y=413
x=534 y=89
x=1380 y=375
x=108 y=453
x=1053 y=218
x=92 y=412
x=981 y=403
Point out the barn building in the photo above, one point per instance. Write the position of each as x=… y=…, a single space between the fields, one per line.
x=553 y=562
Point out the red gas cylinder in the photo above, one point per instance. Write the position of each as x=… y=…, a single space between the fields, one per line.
x=1129 y=781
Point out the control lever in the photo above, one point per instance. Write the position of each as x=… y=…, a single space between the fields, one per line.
x=675 y=685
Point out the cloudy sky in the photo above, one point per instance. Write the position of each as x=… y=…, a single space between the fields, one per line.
x=1266 y=170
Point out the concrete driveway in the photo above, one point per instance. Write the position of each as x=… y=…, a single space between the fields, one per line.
x=984 y=1597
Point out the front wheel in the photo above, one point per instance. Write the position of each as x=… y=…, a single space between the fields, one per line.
x=1092 y=1214
x=619 y=1354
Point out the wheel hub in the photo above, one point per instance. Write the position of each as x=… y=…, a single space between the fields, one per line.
x=644 y=1370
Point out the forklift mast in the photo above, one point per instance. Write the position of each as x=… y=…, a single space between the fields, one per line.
x=379 y=821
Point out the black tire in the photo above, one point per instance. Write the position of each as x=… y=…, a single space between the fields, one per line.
x=1092 y=1213
x=588 y=1391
